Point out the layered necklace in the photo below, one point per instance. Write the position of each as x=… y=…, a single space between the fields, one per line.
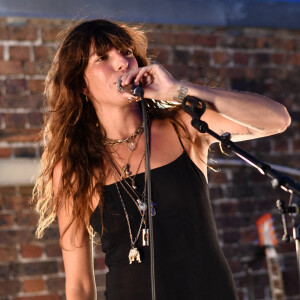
x=131 y=144
x=121 y=174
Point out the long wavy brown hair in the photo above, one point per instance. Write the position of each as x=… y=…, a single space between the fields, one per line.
x=70 y=133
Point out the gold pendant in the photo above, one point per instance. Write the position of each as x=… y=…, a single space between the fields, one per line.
x=134 y=254
x=145 y=237
x=125 y=170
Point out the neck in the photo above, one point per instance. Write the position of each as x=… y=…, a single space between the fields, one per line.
x=119 y=122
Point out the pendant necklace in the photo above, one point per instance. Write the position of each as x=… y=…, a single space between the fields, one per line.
x=140 y=201
x=134 y=253
x=131 y=145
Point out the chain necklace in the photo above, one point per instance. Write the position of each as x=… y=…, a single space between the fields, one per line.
x=125 y=168
x=134 y=252
x=131 y=146
x=140 y=201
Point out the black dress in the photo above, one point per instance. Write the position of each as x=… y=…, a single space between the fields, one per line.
x=189 y=263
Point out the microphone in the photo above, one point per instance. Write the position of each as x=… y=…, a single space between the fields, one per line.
x=131 y=88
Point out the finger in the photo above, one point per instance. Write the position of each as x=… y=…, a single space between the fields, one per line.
x=128 y=76
x=144 y=73
x=134 y=75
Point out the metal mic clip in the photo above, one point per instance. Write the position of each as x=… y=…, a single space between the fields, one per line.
x=120 y=88
x=133 y=89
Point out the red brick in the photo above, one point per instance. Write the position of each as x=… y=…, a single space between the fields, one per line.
x=185 y=39
x=7 y=190
x=35 y=268
x=28 y=152
x=281 y=145
x=5 y=271
x=286 y=44
x=241 y=58
x=159 y=55
x=206 y=40
x=36 y=68
x=7 y=220
x=11 y=67
x=290 y=278
x=49 y=34
x=11 y=236
x=294 y=59
x=36 y=86
x=296 y=144
x=26 y=190
x=261 y=58
x=15 y=120
x=201 y=57
x=14 y=202
x=15 y=86
x=31 y=251
x=20 y=135
x=27 y=218
x=35 y=119
x=21 y=33
x=8 y=253
x=9 y=288
x=33 y=285
x=278 y=58
x=161 y=38
x=217 y=177
x=19 y=53
x=231 y=237
x=5 y=152
x=228 y=208
x=44 y=53
x=55 y=284
x=264 y=42
x=248 y=235
x=46 y=297
x=239 y=41
x=235 y=266
x=181 y=56
x=22 y=101
x=221 y=57
x=53 y=250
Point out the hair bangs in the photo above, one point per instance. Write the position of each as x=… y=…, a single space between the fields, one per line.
x=106 y=37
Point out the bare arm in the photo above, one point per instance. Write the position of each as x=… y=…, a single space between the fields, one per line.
x=77 y=253
x=245 y=115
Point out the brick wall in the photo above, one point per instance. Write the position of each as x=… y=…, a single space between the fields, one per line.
x=265 y=61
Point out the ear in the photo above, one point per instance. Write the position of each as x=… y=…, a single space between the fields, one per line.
x=85 y=91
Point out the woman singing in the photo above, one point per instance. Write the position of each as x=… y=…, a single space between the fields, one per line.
x=93 y=177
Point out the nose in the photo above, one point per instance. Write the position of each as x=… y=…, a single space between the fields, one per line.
x=121 y=61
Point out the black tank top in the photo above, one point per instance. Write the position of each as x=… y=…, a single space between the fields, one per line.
x=189 y=263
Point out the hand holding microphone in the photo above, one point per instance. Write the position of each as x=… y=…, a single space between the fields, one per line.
x=131 y=88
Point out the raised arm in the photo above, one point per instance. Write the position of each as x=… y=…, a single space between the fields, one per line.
x=76 y=251
x=244 y=115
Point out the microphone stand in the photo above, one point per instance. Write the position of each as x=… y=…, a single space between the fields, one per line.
x=139 y=92
x=196 y=108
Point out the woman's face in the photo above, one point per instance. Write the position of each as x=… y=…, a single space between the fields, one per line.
x=102 y=73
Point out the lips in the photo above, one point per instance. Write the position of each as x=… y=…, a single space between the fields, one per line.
x=119 y=87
